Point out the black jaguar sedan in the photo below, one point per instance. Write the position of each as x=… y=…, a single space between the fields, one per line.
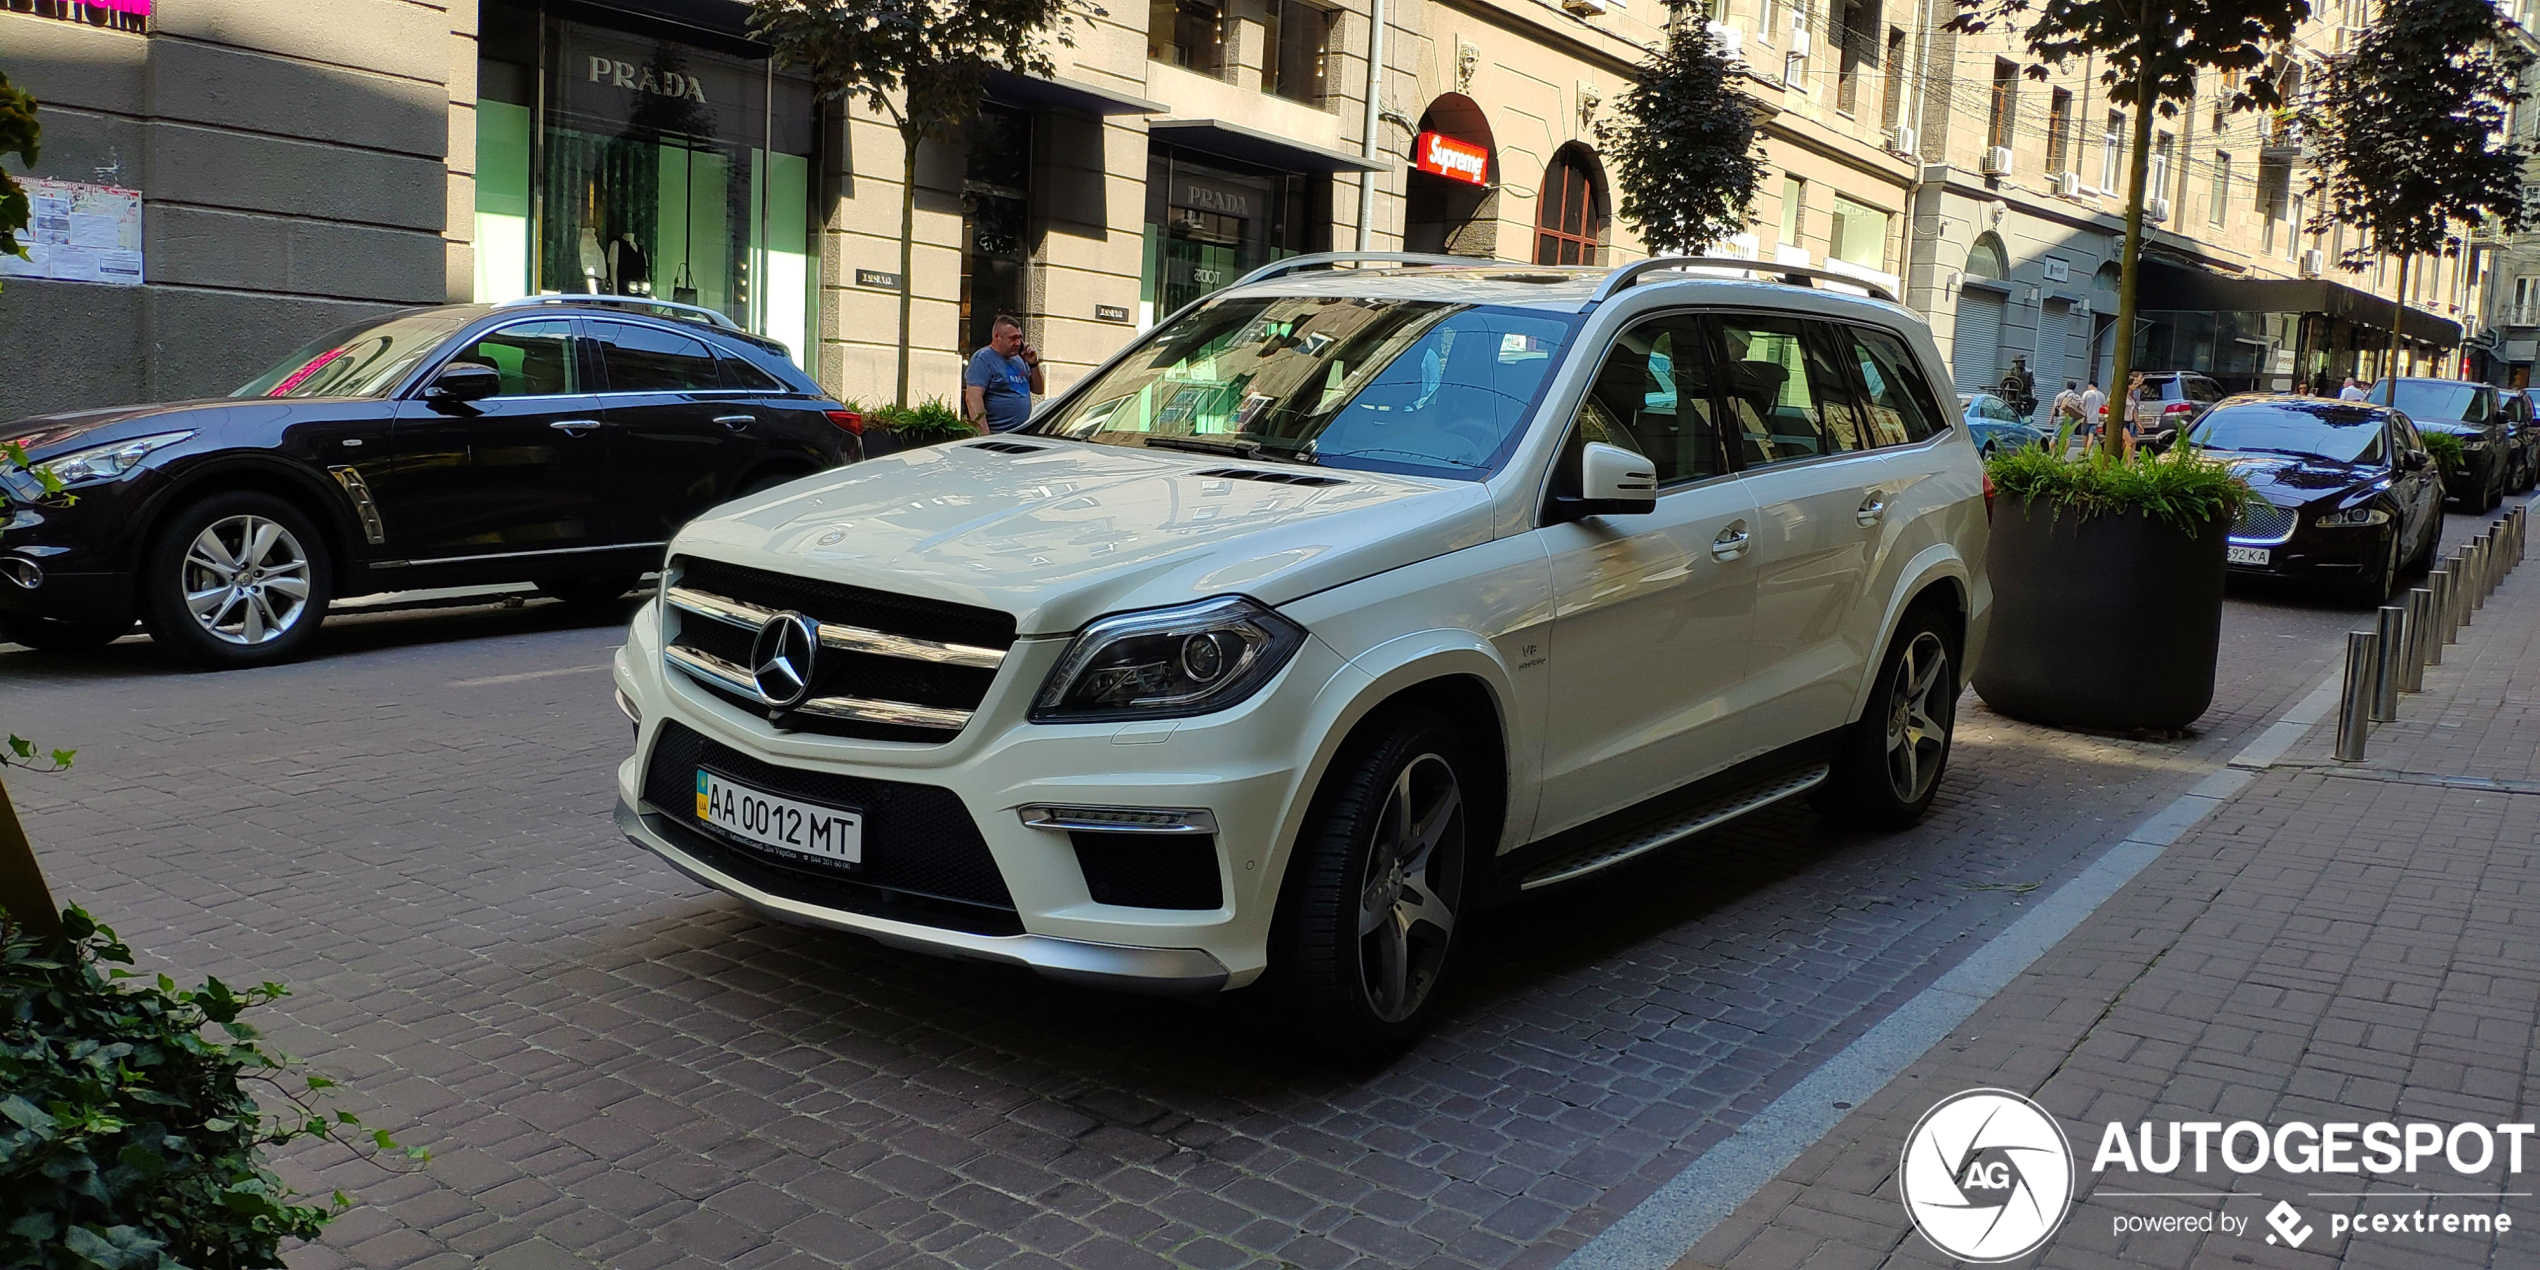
x=556 y=440
x=2349 y=496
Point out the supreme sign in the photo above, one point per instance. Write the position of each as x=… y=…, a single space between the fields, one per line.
x=1440 y=155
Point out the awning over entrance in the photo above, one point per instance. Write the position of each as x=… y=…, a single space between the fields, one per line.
x=1065 y=94
x=2169 y=286
x=1251 y=145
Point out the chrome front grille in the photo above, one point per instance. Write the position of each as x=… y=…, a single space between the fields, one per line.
x=2263 y=522
x=887 y=667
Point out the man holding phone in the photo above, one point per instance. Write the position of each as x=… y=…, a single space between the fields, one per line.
x=998 y=386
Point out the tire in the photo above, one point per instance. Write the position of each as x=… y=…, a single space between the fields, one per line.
x=53 y=635
x=1888 y=765
x=2423 y=562
x=236 y=580
x=1391 y=819
x=2522 y=475
x=2372 y=589
x=590 y=591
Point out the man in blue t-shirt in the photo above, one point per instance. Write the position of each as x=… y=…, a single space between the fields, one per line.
x=996 y=390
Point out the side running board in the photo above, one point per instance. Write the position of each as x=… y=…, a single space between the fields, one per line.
x=1652 y=835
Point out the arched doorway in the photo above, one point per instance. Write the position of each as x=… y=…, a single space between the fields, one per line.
x=1451 y=199
x=1570 y=209
x=1976 y=349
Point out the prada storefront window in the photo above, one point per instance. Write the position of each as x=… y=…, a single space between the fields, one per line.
x=1209 y=223
x=620 y=163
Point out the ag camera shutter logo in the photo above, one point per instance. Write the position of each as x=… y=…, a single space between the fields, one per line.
x=1987 y=1175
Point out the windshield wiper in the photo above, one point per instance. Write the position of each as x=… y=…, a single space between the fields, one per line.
x=1205 y=445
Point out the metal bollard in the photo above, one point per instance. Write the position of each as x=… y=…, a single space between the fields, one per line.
x=2420 y=617
x=2438 y=627
x=2390 y=636
x=2353 y=705
x=2479 y=558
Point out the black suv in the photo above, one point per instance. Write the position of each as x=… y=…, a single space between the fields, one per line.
x=2468 y=410
x=553 y=440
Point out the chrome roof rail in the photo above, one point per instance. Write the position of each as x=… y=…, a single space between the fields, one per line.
x=633 y=301
x=1623 y=278
x=1298 y=264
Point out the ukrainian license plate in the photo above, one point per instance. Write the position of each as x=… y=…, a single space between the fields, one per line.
x=834 y=834
x=2246 y=555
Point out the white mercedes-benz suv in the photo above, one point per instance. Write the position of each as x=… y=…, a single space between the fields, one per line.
x=1367 y=591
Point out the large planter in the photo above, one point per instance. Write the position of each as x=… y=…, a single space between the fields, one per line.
x=2111 y=622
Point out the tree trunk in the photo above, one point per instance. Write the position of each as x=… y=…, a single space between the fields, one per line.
x=23 y=894
x=908 y=243
x=2121 y=369
x=2398 y=318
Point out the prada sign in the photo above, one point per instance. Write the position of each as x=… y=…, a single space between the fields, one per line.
x=645 y=79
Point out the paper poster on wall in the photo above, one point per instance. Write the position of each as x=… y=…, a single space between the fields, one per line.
x=79 y=233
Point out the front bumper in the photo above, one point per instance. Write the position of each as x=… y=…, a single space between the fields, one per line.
x=1116 y=966
x=2320 y=554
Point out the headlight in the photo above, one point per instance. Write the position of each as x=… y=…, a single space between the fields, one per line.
x=1168 y=663
x=106 y=462
x=2353 y=517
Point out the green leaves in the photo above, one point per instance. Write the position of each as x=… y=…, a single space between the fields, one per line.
x=2151 y=50
x=925 y=423
x=127 y=1135
x=21 y=753
x=2447 y=450
x=1684 y=153
x=2183 y=488
x=19 y=136
x=924 y=63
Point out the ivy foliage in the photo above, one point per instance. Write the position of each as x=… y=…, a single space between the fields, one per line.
x=129 y=1138
x=2181 y=488
x=2410 y=130
x=18 y=136
x=1684 y=153
x=926 y=423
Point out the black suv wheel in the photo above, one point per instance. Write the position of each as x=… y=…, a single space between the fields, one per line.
x=236 y=580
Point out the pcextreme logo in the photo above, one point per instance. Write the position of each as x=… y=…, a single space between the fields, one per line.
x=1987 y=1175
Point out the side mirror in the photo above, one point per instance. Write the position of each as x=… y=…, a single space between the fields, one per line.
x=464 y=381
x=1613 y=481
x=2414 y=460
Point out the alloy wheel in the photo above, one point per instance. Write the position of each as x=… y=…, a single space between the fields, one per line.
x=246 y=580
x=1922 y=700
x=1404 y=922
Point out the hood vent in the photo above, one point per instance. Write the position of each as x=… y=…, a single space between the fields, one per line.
x=1007 y=447
x=1273 y=478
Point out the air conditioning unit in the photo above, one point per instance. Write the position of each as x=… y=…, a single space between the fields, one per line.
x=1997 y=161
x=2313 y=261
x=1902 y=141
x=2068 y=184
x=1730 y=40
x=1585 y=8
x=2156 y=209
x=1798 y=41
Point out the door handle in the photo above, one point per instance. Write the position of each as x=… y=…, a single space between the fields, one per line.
x=1873 y=509
x=574 y=427
x=1731 y=543
x=736 y=422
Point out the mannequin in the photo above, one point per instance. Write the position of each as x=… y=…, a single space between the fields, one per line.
x=628 y=269
x=595 y=262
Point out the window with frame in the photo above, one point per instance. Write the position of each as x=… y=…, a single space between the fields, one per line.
x=1653 y=397
x=1569 y=212
x=535 y=359
x=650 y=359
x=1794 y=209
x=1858 y=235
x=2220 y=201
x=1190 y=34
x=1897 y=403
x=2112 y=151
x=1852 y=49
x=2156 y=182
x=1296 y=50
x=1785 y=399
x=1892 y=103
x=2005 y=105
x=2059 y=132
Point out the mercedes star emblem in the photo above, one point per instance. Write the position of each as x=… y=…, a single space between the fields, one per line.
x=781 y=659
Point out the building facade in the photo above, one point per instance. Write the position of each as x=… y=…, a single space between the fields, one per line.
x=299 y=167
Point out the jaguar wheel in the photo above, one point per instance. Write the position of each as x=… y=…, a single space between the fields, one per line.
x=236 y=580
x=1887 y=767
x=1377 y=888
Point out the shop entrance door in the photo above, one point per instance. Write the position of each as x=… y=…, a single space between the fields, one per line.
x=1203 y=252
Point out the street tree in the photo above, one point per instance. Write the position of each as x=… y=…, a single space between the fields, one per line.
x=2151 y=53
x=1684 y=150
x=2410 y=135
x=19 y=134
x=923 y=64
x=24 y=899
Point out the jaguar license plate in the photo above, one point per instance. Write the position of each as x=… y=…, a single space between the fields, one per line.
x=2246 y=555
x=835 y=834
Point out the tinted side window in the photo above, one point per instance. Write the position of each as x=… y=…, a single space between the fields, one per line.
x=739 y=373
x=1655 y=392
x=649 y=359
x=1902 y=409
x=1775 y=391
x=535 y=359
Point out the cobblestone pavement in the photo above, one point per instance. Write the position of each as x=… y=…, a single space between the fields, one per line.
x=2339 y=942
x=615 y=1067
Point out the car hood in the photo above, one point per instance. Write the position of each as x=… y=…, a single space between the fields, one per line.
x=2289 y=480
x=1075 y=530
x=47 y=435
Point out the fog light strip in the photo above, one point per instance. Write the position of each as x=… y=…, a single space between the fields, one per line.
x=1155 y=820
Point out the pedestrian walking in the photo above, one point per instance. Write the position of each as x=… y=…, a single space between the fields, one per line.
x=997 y=388
x=2067 y=407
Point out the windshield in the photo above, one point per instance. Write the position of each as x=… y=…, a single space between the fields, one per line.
x=1414 y=386
x=2435 y=399
x=365 y=359
x=2347 y=435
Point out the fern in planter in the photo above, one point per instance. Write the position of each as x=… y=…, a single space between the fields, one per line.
x=2448 y=452
x=926 y=423
x=2181 y=488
